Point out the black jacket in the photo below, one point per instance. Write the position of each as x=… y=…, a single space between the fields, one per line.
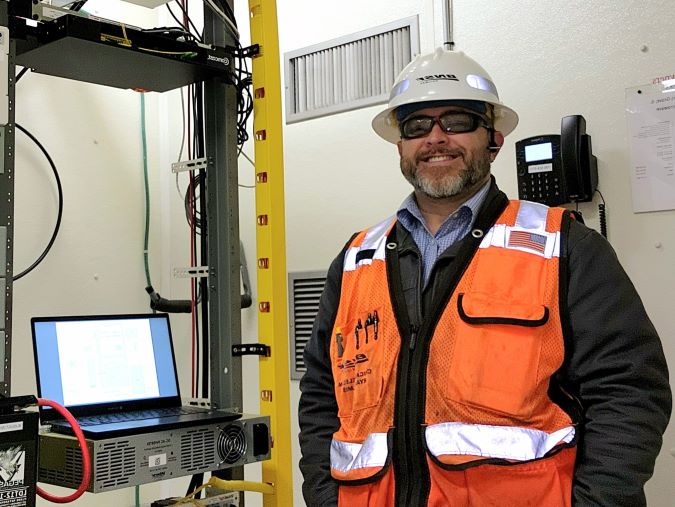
x=614 y=366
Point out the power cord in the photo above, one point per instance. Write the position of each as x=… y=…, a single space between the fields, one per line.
x=602 y=214
x=84 y=449
x=60 y=211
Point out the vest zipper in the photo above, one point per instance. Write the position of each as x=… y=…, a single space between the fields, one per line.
x=403 y=471
x=406 y=475
x=412 y=479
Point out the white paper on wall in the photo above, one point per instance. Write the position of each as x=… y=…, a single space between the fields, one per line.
x=650 y=112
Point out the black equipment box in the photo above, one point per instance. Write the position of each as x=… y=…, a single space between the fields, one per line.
x=18 y=455
x=113 y=54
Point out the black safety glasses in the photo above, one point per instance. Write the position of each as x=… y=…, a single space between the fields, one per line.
x=452 y=122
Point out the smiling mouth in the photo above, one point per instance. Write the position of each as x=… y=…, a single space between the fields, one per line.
x=447 y=157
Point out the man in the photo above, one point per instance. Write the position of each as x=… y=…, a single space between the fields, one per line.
x=472 y=351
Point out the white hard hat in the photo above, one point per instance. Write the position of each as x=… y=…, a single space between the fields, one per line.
x=443 y=75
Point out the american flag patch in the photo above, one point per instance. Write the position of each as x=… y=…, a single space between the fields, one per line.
x=530 y=240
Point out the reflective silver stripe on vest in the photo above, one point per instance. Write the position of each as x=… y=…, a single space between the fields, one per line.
x=346 y=456
x=375 y=239
x=532 y=215
x=504 y=442
x=527 y=235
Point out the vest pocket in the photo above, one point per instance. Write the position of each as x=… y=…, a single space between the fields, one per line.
x=496 y=355
x=543 y=482
x=369 y=494
x=357 y=363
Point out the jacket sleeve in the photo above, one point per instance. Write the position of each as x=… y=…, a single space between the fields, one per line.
x=617 y=367
x=317 y=413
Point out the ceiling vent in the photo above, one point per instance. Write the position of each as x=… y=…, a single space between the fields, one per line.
x=304 y=292
x=348 y=73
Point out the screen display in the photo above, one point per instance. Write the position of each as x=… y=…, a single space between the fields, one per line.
x=83 y=362
x=542 y=151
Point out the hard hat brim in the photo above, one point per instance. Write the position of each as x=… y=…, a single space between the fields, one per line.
x=386 y=126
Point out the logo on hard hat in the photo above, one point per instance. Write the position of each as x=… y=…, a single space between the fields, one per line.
x=437 y=77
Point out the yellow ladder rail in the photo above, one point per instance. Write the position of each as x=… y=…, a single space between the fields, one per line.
x=271 y=249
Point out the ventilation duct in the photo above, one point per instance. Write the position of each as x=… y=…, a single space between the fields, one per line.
x=304 y=292
x=350 y=72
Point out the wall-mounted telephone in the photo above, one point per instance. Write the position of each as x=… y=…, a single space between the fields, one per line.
x=558 y=169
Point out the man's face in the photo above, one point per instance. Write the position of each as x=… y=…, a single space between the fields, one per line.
x=442 y=165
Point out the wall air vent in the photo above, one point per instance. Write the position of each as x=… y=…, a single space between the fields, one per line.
x=304 y=292
x=350 y=72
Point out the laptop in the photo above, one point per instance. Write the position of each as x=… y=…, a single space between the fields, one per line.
x=115 y=373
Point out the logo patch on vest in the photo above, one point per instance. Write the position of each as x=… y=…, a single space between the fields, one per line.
x=359 y=378
x=351 y=363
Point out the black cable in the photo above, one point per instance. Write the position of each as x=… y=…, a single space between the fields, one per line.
x=76 y=6
x=175 y=17
x=21 y=73
x=195 y=482
x=199 y=35
x=602 y=214
x=199 y=150
x=225 y=6
x=174 y=31
x=60 y=212
x=198 y=359
x=191 y=198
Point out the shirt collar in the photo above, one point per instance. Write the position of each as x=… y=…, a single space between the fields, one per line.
x=410 y=216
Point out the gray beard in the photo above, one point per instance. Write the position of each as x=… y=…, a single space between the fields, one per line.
x=475 y=170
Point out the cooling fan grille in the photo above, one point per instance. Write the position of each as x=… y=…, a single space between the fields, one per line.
x=232 y=444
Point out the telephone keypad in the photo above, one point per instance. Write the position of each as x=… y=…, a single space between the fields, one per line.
x=542 y=187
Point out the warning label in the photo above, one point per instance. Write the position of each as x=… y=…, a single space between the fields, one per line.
x=13 y=497
x=12 y=466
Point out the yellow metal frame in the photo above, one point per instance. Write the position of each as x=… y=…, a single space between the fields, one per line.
x=271 y=250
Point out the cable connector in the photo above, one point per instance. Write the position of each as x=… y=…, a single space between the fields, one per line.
x=161 y=304
x=16 y=403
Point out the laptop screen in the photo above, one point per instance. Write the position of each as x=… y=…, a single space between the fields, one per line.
x=95 y=364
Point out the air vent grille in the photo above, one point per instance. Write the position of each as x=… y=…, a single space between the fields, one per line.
x=115 y=463
x=71 y=473
x=305 y=290
x=350 y=72
x=198 y=449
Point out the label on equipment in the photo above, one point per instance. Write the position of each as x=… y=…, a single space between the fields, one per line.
x=157 y=460
x=15 y=497
x=13 y=493
x=13 y=426
x=539 y=168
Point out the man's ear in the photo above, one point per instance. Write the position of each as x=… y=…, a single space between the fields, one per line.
x=498 y=139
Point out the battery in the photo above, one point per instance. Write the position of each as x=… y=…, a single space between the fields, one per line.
x=18 y=457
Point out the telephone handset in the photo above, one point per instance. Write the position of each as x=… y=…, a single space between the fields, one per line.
x=558 y=169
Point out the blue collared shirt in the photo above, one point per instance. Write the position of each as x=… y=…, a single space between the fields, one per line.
x=455 y=227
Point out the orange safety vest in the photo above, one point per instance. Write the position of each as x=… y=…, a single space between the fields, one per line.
x=492 y=434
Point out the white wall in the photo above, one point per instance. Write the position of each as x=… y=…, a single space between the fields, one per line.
x=549 y=59
x=96 y=264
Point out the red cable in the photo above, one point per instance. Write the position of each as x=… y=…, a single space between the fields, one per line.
x=86 y=459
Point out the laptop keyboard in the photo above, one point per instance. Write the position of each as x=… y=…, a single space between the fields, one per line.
x=136 y=415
